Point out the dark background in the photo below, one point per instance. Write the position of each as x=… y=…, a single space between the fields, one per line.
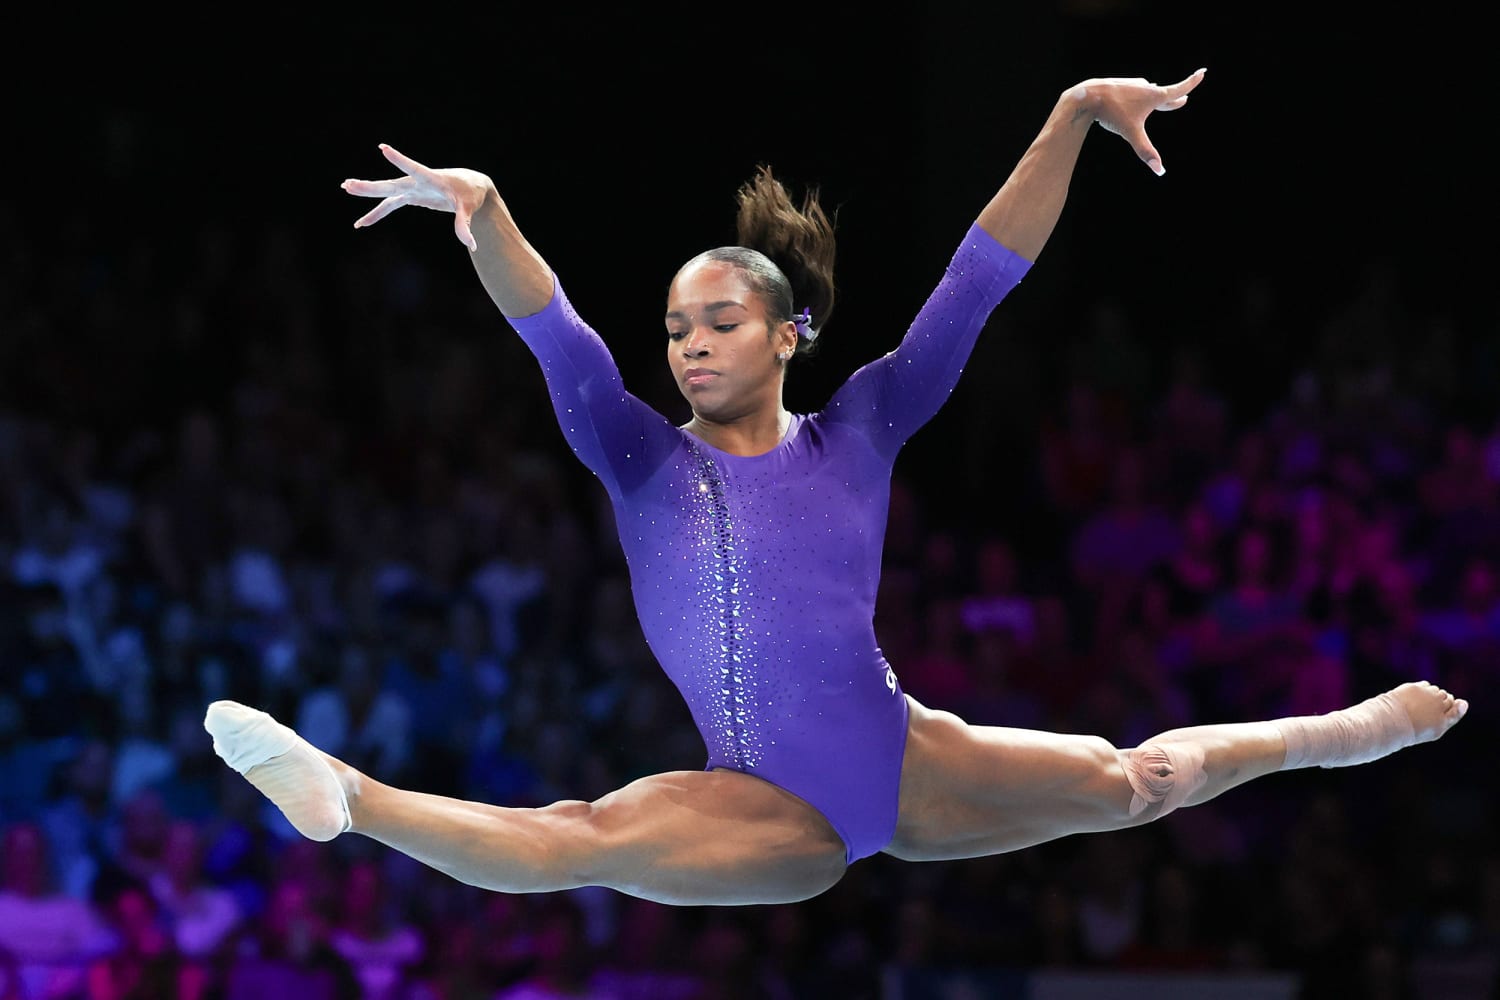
x=1322 y=146
x=1317 y=142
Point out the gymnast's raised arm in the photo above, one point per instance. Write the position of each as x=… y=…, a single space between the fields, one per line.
x=892 y=397
x=609 y=430
x=1024 y=211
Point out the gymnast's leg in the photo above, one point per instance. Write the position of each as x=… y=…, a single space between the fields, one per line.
x=968 y=791
x=688 y=837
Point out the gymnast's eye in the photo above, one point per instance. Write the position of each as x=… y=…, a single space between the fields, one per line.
x=725 y=327
x=676 y=334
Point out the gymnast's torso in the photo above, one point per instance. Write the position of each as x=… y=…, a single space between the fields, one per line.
x=755 y=577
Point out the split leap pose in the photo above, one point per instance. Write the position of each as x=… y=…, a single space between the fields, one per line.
x=753 y=537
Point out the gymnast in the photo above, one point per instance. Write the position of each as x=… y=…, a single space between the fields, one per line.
x=753 y=537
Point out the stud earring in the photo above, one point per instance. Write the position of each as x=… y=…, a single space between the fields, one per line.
x=785 y=355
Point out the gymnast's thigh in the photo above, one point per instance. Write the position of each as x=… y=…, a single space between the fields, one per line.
x=968 y=791
x=714 y=837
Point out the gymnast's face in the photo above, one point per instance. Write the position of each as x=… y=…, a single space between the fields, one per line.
x=720 y=345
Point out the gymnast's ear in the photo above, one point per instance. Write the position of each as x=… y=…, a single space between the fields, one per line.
x=786 y=340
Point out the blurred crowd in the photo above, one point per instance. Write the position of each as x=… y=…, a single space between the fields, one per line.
x=334 y=490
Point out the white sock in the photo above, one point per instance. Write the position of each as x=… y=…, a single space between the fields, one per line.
x=282 y=765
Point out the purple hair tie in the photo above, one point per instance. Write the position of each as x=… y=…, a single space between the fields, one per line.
x=803 y=322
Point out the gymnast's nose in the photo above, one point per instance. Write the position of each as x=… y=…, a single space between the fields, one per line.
x=696 y=344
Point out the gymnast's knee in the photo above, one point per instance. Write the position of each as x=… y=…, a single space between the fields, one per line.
x=1162 y=774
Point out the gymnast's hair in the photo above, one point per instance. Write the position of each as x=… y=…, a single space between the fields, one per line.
x=786 y=250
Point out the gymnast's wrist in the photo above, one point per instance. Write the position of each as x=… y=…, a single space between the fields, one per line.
x=1080 y=104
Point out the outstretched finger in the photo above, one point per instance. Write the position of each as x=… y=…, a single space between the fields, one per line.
x=376 y=189
x=401 y=160
x=1179 y=90
x=377 y=213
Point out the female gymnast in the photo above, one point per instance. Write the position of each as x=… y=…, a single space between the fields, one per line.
x=753 y=537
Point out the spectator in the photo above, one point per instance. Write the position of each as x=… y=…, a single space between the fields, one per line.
x=564 y=967
x=381 y=948
x=1253 y=631
x=289 y=954
x=1226 y=491
x=203 y=918
x=436 y=690
x=1387 y=638
x=1196 y=570
x=996 y=696
x=57 y=555
x=139 y=847
x=997 y=602
x=143 y=964
x=1122 y=541
x=51 y=937
x=940 y=675
x=1466 y=627
x=80 y=820
x=1459 y=482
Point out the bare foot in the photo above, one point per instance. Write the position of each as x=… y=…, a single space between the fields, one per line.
x=286 y=769
x=1432 y=710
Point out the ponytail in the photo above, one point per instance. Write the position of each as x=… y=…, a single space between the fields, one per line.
x=787 y=250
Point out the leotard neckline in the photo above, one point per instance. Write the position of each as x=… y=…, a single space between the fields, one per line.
x=793 y=427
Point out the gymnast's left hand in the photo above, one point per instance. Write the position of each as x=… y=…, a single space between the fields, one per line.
x=1122 y=105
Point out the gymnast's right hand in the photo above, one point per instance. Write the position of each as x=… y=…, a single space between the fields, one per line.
x=454 y=189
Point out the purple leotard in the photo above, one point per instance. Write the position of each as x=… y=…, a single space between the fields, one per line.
x=755 y=577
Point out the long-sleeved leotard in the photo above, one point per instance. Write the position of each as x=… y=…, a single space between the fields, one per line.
x=755 y=577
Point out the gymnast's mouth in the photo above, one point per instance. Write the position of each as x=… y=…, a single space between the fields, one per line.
x=699 y=376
